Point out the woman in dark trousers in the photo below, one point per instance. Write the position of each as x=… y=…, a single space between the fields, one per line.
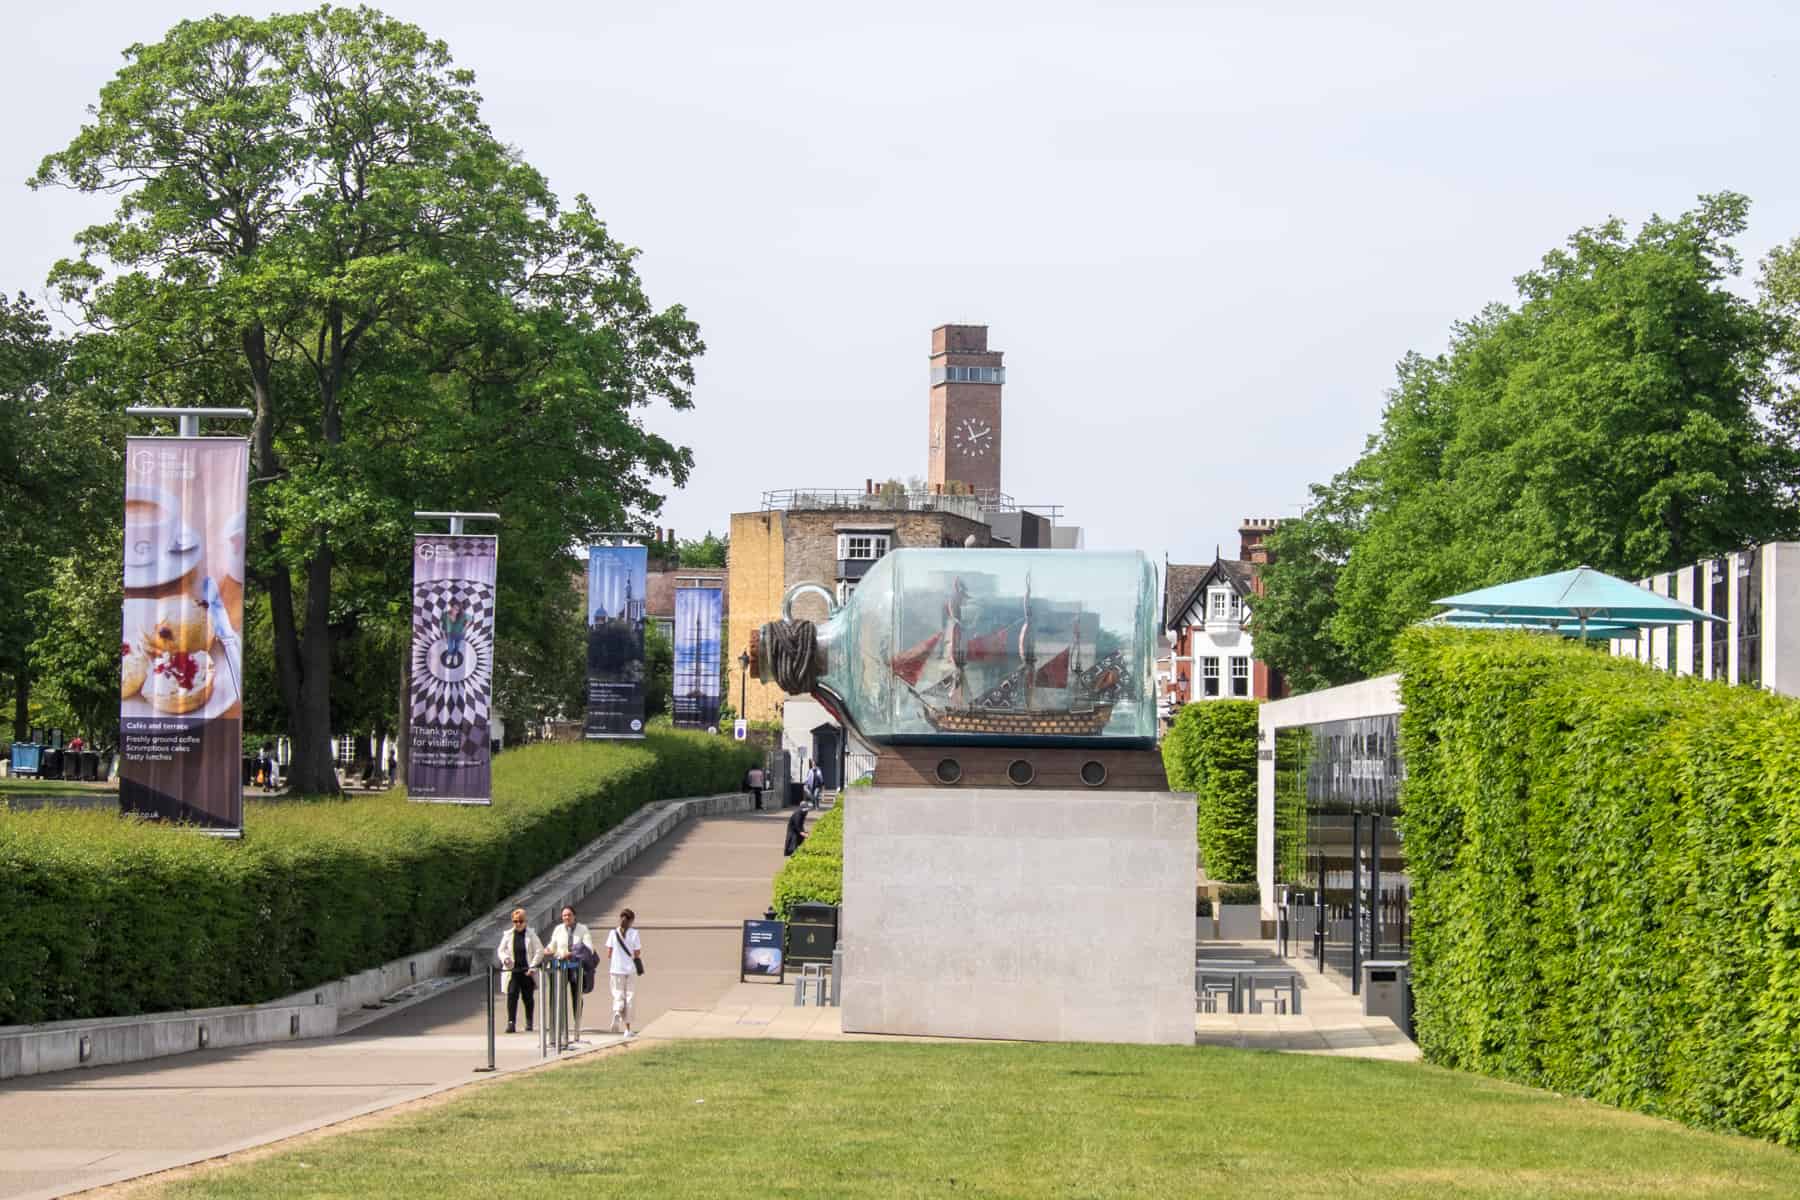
x=796 y=831
x=519 y=949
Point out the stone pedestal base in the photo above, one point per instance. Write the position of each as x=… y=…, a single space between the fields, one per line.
x=1019 y=913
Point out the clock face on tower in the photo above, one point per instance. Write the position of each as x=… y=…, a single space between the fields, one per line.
x=973 y=437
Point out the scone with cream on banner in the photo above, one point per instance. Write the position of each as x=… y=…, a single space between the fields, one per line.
x=180 y=682
x=180 y=624
x=134 y=668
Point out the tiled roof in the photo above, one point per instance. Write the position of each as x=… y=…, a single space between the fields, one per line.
x=1185 y=579
x=1178 y=588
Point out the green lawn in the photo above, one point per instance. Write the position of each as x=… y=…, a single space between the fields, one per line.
x=749 y=1118
x=27 y=786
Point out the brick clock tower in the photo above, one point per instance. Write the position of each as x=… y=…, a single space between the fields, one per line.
x=966 y=378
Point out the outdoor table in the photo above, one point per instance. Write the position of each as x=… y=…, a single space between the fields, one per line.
x=1278 y=980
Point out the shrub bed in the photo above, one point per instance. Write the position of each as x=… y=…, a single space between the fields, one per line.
x=1211 y=752
x=1605 y=864
x=815 y=872
x=105 y=917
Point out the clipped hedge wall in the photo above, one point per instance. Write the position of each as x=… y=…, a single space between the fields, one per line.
x=815 y=872
x=1606 y=878
x=105 y=917
x=1211 y=751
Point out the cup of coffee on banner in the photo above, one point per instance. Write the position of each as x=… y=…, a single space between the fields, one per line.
x=152 y=523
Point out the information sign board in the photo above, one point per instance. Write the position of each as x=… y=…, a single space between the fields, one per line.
x=762 y=956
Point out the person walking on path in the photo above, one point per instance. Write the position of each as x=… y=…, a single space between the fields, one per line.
x=754 y=782
x=815 y=783
x=520 y=947
x=627 y=963
x=564 y=942
x=796 y=832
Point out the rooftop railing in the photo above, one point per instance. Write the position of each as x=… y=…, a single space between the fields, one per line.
x=974 y=506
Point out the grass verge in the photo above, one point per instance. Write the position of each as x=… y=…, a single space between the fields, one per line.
x=731 y=1119
x=25 y=785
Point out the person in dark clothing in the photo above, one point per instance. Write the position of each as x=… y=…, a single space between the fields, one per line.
x=796 y=831
x=519 y=949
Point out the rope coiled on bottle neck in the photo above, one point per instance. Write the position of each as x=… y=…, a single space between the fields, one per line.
x=793 y=650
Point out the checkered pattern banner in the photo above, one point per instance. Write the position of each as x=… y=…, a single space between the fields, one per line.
x=448 y=752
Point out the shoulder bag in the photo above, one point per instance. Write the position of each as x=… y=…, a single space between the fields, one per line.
x=636 y=961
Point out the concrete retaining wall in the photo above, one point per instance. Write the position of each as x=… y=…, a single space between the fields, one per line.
x=315 y=1012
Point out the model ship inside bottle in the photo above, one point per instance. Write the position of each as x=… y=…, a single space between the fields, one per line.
x=990 y=647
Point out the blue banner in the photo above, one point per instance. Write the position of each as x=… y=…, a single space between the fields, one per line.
x=699 y=613
x=615 y=641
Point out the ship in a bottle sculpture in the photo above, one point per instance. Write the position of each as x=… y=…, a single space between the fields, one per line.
x=980 y=647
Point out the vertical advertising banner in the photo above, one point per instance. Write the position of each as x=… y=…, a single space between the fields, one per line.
x=182 y=652
x=615 y=641
x=448 y=756
x=699 y=612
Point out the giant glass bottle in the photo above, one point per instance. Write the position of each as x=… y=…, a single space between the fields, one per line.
x=992 y=647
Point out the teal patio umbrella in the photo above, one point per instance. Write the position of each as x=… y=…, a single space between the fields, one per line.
x=1581 y=595
x=1463 y=618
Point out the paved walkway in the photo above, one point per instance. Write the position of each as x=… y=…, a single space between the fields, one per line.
x=1330 y=1019
x=81 y=1129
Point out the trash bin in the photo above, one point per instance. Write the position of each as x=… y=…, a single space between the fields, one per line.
x=811 y=932
x=1387 y=991
x=90 y=766
x=796 y=795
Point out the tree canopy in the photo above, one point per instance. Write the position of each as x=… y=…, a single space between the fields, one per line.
x=314 y=222
x=1614 y=417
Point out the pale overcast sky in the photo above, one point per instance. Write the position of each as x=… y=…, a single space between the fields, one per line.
x=1202 y=233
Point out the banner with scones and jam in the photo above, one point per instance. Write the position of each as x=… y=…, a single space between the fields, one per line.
x=182 y=653
x=448 y=759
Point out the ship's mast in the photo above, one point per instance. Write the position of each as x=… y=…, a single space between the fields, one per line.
x=953 y=640
x=1028 y=646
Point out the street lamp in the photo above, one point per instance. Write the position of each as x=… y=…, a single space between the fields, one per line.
x=743 y=685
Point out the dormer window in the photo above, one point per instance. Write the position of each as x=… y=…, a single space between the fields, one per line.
x=1219 y=598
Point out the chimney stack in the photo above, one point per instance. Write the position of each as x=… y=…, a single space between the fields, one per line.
x=1251 y=532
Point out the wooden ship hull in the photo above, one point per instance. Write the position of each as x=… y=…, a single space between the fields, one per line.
x=1013 y=723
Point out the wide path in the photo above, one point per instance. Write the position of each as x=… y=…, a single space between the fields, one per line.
x=80 y=1129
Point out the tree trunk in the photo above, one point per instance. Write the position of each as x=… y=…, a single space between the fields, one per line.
x=22 y=704
x=313 y=771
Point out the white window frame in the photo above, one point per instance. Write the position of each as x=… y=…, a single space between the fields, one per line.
x=1215 y=610
x=1240 y=675
x=863 y=547
x=1209 y=677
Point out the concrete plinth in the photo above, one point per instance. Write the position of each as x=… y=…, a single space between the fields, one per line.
x=1034 y=915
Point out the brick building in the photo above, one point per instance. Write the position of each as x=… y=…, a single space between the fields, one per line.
x=832 y=538
x=1207 y=618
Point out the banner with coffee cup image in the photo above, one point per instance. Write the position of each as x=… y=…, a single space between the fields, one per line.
x=181 y=654
x=449 y=759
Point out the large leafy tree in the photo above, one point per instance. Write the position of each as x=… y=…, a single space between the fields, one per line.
x=58 y=490
x=1614 y=417
x=315 y=222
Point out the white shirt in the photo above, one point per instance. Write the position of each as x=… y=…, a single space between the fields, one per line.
x=621 y=958
x=560 y=940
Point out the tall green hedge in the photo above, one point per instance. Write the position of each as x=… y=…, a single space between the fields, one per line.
x=814 y=872
x=107 y=917
x=1606 y=878
x=1211 y=752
